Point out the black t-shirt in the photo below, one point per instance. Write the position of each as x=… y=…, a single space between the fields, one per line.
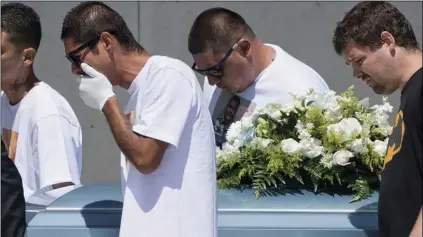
x=400 y=196
x=13 y=217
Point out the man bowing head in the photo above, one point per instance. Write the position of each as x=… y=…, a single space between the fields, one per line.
x=168 y=152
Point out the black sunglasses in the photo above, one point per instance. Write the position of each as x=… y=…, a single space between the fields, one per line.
x=76 y=59
x=216 y=70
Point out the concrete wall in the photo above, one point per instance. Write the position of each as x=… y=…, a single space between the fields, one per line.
x=304 y=29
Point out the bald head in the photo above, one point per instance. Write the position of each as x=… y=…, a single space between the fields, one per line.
x=88 y=19
x=217 y=29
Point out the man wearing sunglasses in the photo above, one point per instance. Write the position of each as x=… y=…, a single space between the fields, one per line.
x=233 y=60
x=40 y=130
x=166 y=138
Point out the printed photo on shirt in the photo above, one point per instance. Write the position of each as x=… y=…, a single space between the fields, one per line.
x=229 y=108
x=10 y=139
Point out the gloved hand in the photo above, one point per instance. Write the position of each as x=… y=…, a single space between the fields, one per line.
x=96 y=89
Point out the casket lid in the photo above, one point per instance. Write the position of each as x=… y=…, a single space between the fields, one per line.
x=99 y=206
x=227 y=200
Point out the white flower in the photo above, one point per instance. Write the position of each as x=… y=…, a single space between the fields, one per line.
x=273 y=111
x=288 y=109
x=342 y=157
x=241 y=132
x=275 y=114
x=328 y=102
x=327 y=160
x=290 y=146
x=226 y=152
x=311 y=147
x=298 y=101
x=381 y=146
x=261 y=143
x=302 y=130
x=358 y=146
x=346 y=128
x=380 y=116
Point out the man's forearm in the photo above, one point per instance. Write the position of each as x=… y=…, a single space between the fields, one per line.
x=417 y=229
x=122 y=130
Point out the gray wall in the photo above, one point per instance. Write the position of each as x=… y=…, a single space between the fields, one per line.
x=304 y=29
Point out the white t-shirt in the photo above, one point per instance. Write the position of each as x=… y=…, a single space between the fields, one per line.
x=285 y=75
x=179 y=198
x=44 y=138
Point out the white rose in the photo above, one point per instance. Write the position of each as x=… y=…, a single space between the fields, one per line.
x=290 y=146
x=342 y=157
x=380 y=147
x=347 y=127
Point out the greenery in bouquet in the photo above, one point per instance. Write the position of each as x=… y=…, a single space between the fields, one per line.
x=323 y=142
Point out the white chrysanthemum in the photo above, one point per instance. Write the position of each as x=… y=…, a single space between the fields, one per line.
x=327 y=160
x=226 y=152
x=346 y=128
x=241 y=132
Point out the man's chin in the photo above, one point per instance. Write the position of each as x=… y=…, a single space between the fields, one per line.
x=381 y=91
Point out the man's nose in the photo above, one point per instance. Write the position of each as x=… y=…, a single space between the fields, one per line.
x=357 y=73
x=213 y=80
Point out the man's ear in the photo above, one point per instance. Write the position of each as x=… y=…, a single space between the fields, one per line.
x=388 y=39
x=29 y=56
x=106 y=40
x=244 y=48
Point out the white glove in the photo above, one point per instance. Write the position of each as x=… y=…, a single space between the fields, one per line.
x=96 y=89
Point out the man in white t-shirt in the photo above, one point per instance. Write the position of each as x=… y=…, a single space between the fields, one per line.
x=41 y=132
x=235 y=62
x=166 y=138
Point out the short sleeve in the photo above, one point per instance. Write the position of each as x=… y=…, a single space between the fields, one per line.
x=50 y=159
x=167 y=104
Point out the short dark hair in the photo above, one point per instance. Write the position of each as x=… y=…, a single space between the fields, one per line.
x=217 y=29
x=364 y=23
x=22 y=24
x=86 y=20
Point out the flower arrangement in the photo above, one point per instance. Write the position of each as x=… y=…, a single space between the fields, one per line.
x=321 y=142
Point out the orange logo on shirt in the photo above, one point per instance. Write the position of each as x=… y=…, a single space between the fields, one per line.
x=10 y=139
x=396 y=138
